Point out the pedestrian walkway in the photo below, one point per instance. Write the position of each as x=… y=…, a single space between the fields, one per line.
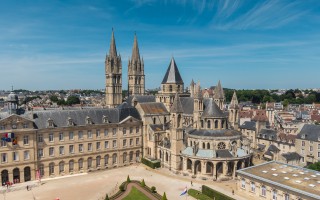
x=138 y=186
x=19 y=186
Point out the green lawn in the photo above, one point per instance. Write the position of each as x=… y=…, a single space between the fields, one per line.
x=136 y=195
x=198 y=195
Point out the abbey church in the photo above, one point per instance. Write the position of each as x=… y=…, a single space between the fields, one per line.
x=184 y=131
x=187 y=133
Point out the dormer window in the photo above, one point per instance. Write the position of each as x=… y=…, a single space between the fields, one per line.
x=303 y=136
x=105 y=119
x=70 y=121
x=50 y=122
x=88 y=120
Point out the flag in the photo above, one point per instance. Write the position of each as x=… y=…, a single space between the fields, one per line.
x=184 y=191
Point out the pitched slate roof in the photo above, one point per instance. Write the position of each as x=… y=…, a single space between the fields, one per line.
x=250 y=125
x=176 y=106
x=213 y=133
x=212 y=110
x=223 y=153
x=273 y=148
x=141 y=98
x=60 y=117
x=291 y=156
x=311 y=132
x=268 y=134
x=172 y=75
x=154 y=108
x=187 y=105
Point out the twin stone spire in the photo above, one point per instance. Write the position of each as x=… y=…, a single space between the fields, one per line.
x=113 y=69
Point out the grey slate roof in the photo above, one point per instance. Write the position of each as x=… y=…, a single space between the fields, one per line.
x=310 y=131
x=212 y=110
x=176 y=106
x=249 y=125
x=187 y=105
x=172 y=75
x=273 y=148
x=157 y=127
x=223 y=153
x=60 y=117
x=291 y=156
x=268 y=134
x=141 y=98
x=213 y=133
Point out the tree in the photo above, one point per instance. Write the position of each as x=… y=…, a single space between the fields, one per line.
x=73 y=100
x=164 y=197
x=121 y=188
x=285 y=103
x=128 y=179
x=153 y=189
x=143 y=184
x=107 y=197
x=54 y=98
x=314 y=166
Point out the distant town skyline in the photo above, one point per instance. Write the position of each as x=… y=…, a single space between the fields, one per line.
x=273 y=44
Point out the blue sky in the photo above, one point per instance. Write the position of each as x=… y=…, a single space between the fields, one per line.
x=244 y=43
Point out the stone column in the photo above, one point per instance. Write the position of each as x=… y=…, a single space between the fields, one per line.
x=203 y=167
x=243 y=164
x=234 y=170
x=225 y=168
x=214 y=170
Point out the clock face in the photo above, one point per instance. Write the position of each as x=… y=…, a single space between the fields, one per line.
x=14 y=126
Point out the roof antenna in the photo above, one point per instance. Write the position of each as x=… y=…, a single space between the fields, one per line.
x=11 y=87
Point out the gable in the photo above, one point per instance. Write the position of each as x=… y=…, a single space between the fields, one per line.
x=15 y=122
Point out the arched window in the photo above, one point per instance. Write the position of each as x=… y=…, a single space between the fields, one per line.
x=71 y=166
x=208 y=145
x=216 y=124
x=190 y=143
x=274 y=194
x=203 y=145
x=170 y=88
x=154 y=120
x=263 y=191
x=98 y=161
x=253 y=187
x=51 y=168
x=243 y=183
x=124 y=157
x=106 y=160
x=114 y=158
x=89 y=163
x=209 y=124
x=222 y=123
x=61 y=167
x=80 y=163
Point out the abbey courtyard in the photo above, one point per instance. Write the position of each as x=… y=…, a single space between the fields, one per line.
x=192 y=134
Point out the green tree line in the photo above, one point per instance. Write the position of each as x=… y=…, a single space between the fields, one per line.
x=263 y=96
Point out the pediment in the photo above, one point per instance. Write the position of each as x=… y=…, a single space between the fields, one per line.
x=16 y=122
x=129 y=120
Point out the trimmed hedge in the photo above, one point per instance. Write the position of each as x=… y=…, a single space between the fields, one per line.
x=152 y=164
x=213 y=193
x=198 y=195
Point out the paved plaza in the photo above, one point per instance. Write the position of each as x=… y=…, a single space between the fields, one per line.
x=95 y=185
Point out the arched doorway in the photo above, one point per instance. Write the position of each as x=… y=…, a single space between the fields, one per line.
x=16 y=175
x=209 y=168
x=27 y=174
x=4 y=176
x=189 y=164
x=239 y=164
x=219 y=169
x=197 y=167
